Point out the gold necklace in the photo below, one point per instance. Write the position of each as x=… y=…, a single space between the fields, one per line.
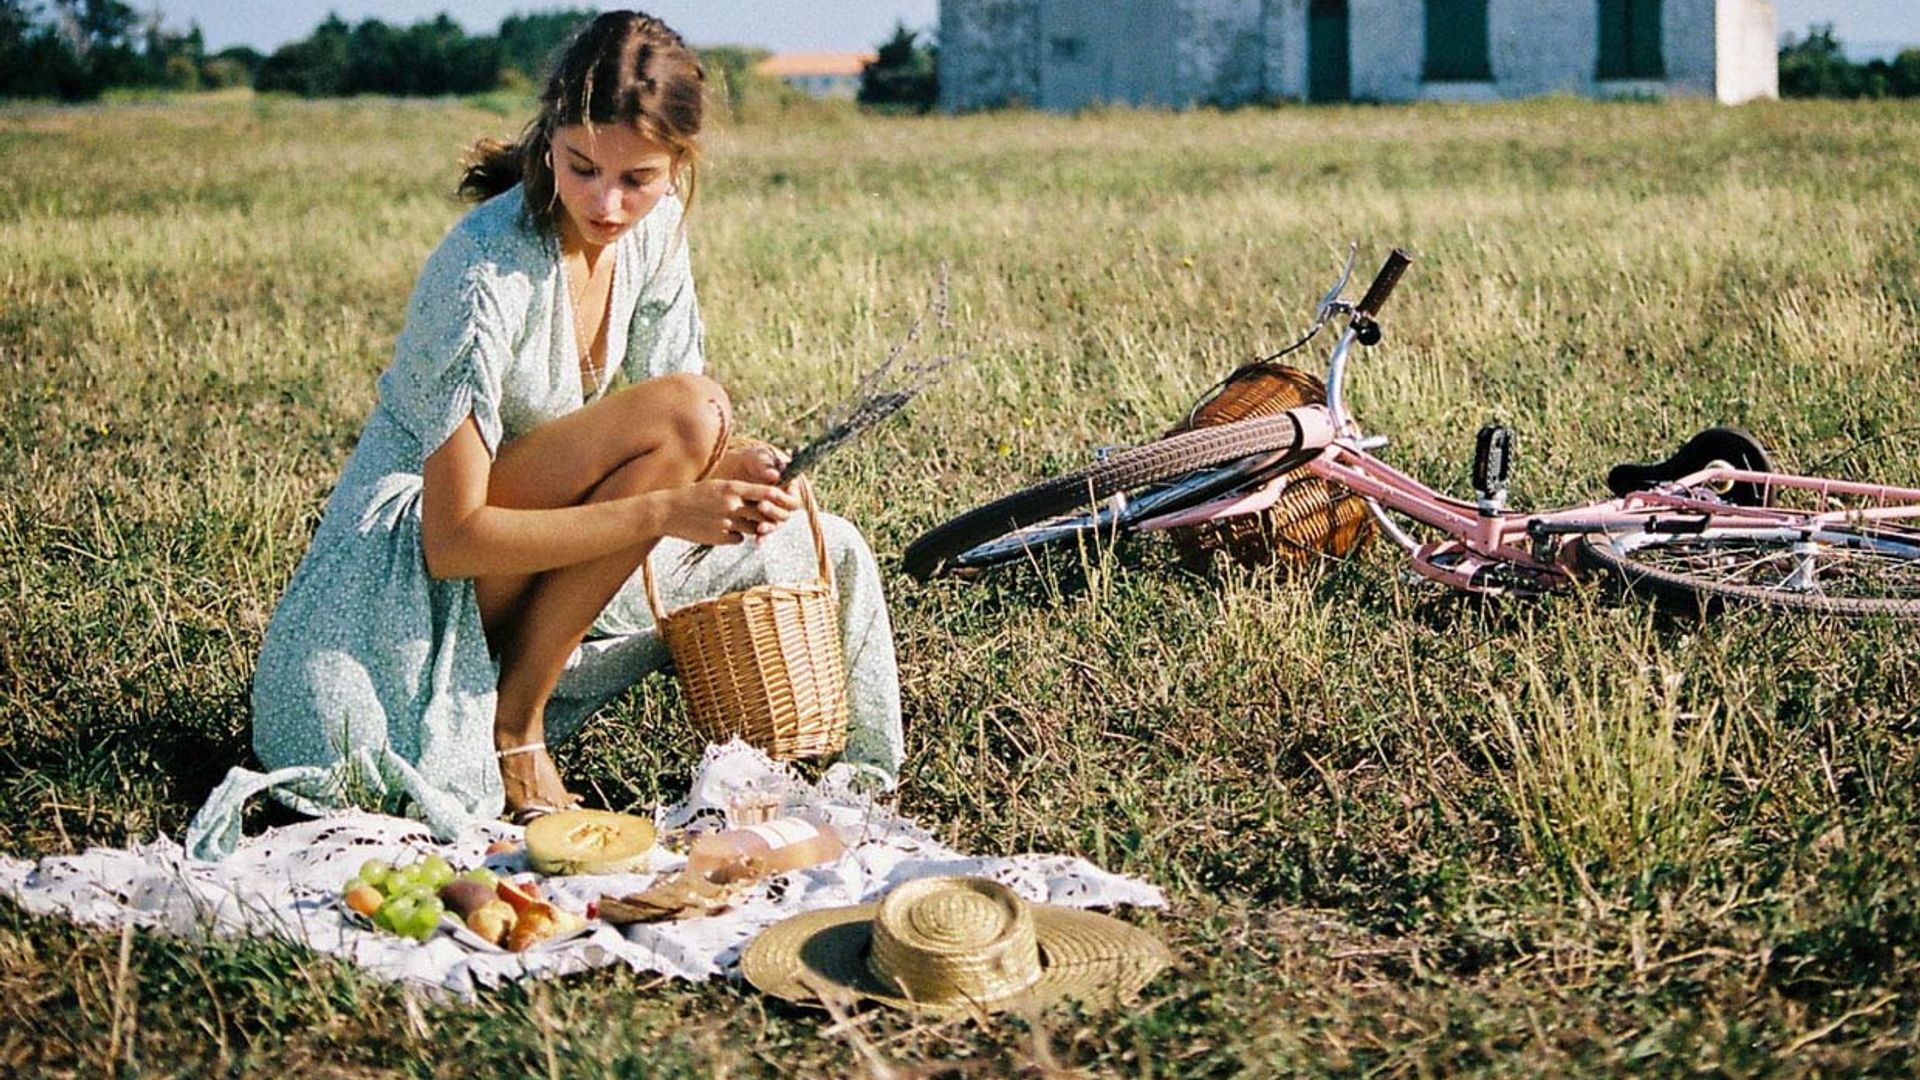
x=592 y=373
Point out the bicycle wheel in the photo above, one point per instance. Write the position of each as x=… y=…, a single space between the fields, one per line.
x=1856 y=571
x=1178 y=471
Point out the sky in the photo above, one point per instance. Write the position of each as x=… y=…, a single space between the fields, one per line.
x=780 y=25
x=1868 y=27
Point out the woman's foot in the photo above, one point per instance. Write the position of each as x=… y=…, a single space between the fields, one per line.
x=533 y=784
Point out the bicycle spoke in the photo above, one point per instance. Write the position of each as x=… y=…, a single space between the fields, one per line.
x=1841 y=565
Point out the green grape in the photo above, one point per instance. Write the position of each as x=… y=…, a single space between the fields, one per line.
x=436 y=870
x=354 y=883
x=482 y=875
x=398 y=912
x=421 y=891
x=420 y=880
x=374 y=872
x=424 y=920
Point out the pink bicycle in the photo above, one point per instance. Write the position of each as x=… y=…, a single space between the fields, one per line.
x=1712 y=523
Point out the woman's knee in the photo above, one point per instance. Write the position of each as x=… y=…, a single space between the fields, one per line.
x=686 y=415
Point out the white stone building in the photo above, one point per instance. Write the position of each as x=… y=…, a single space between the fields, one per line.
x=1070 y=54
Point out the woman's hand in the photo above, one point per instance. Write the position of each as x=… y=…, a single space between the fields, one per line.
x=755 y=462
x=726 y=511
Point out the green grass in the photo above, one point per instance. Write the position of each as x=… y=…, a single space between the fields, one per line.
x=1401 y=832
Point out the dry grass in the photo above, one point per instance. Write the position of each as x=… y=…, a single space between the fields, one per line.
x=1403 y=833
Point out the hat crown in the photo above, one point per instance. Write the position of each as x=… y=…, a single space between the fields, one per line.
x=951 y=939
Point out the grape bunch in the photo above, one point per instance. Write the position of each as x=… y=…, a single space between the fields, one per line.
x=405 y=900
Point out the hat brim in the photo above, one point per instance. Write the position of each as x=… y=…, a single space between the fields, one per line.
x=1084 y=955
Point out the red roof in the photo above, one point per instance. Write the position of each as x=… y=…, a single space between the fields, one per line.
x=788 y=65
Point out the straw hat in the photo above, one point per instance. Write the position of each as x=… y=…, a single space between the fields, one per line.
x=954 y=944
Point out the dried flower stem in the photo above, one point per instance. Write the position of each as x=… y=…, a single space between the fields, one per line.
x=878 y=395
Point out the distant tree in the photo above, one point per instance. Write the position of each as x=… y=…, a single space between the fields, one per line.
x=374 y=64
x=1904 y=74
x=1816 y=66
x=70 y=49
x=528 y=42
x=16 y=27
x=174 y=60
x=316 y=67
x=102 y=36
x=245 y=55
x=903 y=75
x=429 y=58
x=450 y=61
x=235 y=66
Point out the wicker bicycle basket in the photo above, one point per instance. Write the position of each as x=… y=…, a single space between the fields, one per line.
x=763 y=663
x=1313 y=518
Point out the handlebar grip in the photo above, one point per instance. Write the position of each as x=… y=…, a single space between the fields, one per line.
x=1383 y=284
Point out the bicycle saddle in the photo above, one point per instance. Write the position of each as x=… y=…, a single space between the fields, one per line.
x=1730 y=445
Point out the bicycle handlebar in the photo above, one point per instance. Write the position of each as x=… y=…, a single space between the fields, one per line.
x=1383 y=284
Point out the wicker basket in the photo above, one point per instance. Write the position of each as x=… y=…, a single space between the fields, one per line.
x=1311 y=520
x=763 y=663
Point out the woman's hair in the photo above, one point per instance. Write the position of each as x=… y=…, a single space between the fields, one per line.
x=625 y=67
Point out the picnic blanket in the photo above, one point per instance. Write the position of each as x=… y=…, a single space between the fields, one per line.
x=286 y=883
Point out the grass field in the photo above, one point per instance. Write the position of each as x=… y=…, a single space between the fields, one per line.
x=1401 y=833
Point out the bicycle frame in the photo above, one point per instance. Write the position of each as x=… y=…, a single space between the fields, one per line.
x=1487 y=549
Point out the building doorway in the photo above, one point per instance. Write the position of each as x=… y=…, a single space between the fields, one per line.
x=1329 y=62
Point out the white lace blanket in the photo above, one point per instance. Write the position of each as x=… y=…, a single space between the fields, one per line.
x=286 y=883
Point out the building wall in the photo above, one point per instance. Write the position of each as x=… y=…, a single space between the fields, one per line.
x=989 y=53
x=1748 y=64
x=1185 y=52
x=1093 y=52
x=1220 y=52
x=1689 y=33
x=1284 y=25
x=1530 y=53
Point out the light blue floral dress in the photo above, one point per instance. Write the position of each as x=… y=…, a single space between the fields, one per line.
x=375 y=687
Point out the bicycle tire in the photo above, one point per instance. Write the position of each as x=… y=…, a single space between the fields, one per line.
x=1878 y=569
x=1127 y=470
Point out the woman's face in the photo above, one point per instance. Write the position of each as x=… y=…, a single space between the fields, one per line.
x=608 y=177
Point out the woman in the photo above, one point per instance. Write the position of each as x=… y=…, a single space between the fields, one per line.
x=470 y=594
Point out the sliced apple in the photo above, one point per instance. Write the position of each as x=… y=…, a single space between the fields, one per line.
x=522 y=898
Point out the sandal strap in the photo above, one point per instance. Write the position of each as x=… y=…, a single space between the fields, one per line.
x=526 y=815
x=525 y=748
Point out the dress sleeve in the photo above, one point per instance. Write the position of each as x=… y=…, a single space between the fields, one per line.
x=667 y=335
x=451 y=355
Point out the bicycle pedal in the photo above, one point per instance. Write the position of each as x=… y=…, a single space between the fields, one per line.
x=1493 y=451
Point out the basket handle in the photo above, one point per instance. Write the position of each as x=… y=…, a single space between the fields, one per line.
x=823 y=559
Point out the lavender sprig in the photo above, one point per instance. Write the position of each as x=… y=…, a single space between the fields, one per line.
x=878 y=395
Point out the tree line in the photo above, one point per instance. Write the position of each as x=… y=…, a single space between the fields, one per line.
x=75 y=50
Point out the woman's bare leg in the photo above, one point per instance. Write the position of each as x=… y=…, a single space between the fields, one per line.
x=662 y=433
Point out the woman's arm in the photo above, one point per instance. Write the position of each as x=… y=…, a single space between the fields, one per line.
x=465 y=538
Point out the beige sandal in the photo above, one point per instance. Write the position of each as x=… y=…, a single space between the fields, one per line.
x=525 y=815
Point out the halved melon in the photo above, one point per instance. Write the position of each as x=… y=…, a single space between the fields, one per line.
x=588 y=842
